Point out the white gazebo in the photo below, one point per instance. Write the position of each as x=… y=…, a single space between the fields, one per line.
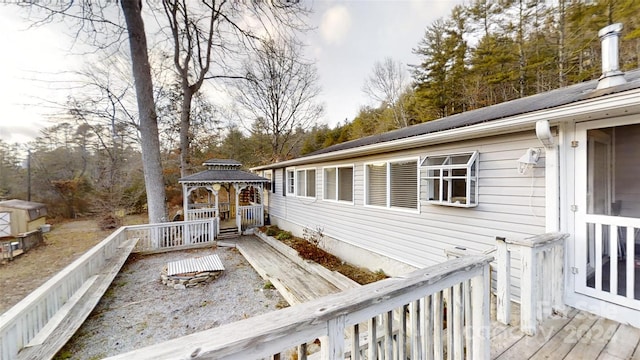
x=224 y=192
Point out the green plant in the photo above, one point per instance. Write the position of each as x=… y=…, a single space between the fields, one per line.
x=63 y=354
x=268 y=286
x=284 y=235
x=271 y=231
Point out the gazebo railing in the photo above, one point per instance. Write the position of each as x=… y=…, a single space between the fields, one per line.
x=201 y=213
x=251 y=216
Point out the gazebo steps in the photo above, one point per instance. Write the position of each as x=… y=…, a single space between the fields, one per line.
x=230 y=233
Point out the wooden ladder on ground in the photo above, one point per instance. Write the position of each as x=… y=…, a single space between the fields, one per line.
x=61 y=327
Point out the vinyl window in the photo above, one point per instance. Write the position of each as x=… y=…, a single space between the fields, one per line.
x=392 y=184
x=306 y=183
x=338 y=183
x=452 y=179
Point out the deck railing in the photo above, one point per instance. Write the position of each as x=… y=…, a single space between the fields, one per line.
x=20 y=324
x=394 y=318
x=251 y=216
x=173 y=235
x=541 y=278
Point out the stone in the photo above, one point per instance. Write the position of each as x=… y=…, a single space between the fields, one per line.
x=179 y=287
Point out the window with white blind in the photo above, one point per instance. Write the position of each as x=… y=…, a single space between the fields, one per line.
x=392 y=184
x=452 y=179
x=306 y=183
x=291 y=182
x=338 y=183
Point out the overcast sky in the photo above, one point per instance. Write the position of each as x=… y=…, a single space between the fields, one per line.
x=349 y=37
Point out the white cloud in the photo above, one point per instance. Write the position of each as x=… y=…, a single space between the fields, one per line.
x=335 y=25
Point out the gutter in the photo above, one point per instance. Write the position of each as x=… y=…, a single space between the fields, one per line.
x=617 y=104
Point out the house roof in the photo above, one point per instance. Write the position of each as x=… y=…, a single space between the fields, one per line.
x=570 y=95
x=546 y=100
x=21 y=204
x=223 y=176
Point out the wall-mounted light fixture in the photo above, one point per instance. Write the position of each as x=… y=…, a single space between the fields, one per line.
x=527 y=160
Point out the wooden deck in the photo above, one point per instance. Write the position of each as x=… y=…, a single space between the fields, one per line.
x=579 y=335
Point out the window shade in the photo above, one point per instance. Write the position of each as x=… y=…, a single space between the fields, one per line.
x=404 y=184
x=377 y=184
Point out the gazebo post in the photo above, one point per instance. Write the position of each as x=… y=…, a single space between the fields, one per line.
x=185 y=202
x=236 y=186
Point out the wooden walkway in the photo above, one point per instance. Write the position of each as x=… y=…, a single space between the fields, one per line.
x=296 y=284
x=579 y=335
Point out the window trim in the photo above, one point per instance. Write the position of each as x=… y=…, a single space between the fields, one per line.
x=474 y=159
x=388 y=163
x=306 y=184
x=353 y=183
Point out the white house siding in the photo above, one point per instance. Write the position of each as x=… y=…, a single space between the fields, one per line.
x=509 y=205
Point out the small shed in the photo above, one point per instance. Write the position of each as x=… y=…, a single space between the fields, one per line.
x=21 y=216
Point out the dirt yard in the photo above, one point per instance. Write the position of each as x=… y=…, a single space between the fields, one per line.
x=63 y=244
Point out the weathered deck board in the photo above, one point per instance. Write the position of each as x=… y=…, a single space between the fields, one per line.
x=526 y=346
x=622 y=344
x=591 y=344
x=580 y=335
x=294 y=283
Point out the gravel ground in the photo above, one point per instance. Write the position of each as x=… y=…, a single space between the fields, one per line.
x=138 y=310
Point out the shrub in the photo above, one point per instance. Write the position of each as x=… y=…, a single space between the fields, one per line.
x=271 y=231
x=284 y=235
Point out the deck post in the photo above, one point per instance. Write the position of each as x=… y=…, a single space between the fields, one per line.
x=527 y=284
x=503 y=286
x=557 y=278
x=335 y=338
x=480 y=286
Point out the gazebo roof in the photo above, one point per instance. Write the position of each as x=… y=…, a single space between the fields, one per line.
x=224 y=176
x=222 y=162
x=223 y=171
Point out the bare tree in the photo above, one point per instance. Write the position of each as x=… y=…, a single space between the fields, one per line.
x=280 y=93
x=146 y=111
x=101 y=26
x=192 y=35
x=385 y=85
x=207 y=35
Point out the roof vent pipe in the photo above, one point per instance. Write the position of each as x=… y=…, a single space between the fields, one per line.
x=611 y=74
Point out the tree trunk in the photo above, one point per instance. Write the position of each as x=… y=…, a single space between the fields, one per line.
x=561 y=43
x=151 y=163
x=185 y=128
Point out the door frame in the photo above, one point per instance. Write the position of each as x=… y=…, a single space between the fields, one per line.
x=575 y=161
